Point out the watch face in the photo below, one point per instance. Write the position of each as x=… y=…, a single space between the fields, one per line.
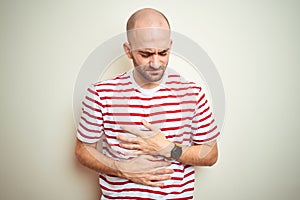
x=176 y=152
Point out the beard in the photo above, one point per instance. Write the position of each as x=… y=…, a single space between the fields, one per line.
x=149 y=72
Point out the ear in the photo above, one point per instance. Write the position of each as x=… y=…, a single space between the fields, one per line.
x=171 y=42
x=127 y=50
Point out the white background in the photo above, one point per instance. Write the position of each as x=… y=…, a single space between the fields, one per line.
x=254 y=44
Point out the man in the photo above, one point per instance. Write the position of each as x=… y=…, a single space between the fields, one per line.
x=155 y=125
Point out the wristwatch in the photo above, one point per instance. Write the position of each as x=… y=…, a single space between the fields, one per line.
x=176 y=152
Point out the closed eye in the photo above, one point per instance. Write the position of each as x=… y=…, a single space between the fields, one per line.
x=146 y=55
x=164 y=52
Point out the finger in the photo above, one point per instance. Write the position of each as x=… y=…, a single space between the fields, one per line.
x=138 y=153
x=163 y=171
x=127 y=139
x=149 y=126
x=131 y=130
x=160 y=178
x=130 y=146
x=153 y=184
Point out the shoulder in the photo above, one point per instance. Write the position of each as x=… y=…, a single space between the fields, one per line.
x=175 y=80
x=118 y=78
x=121 y=79
x=111 y=87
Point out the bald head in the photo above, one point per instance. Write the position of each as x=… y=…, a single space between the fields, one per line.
x=148 y=28
x=146 y=18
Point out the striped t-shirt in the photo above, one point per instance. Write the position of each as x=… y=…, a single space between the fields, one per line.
x=178 y=107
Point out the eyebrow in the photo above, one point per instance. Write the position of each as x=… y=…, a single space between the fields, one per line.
x=151 y=53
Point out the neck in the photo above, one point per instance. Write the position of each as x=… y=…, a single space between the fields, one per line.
x=144 y=83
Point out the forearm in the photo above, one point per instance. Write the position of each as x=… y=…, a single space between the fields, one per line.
x=154 y=142
x=142 y=169
x=200 y=155
x=93 y=159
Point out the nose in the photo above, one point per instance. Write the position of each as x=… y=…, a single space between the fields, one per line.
x=154 y=62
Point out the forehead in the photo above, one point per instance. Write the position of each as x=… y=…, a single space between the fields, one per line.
x=149 y=38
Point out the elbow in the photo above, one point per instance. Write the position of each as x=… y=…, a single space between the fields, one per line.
x=212 y=161
x=212 y=158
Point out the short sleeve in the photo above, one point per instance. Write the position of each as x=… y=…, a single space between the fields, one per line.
x=91 y=122
x=204 y=127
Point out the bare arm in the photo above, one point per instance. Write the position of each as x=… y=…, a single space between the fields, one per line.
x=200 y=155
x=88 y=156
x=140 y=170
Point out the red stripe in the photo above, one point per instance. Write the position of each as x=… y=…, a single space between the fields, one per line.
x=119 y=77
x=173 y=75
x=201 y=113
x=201 y=98
x=122 y=77
x=140 y=123
x=208 y=124
x=126 y=114
x=109 y=153
x=88 y=130
x=133 y=189
x=207 y=132
x=178 y=89
x=114 y=145
x=182 y=171
x=205 y=118
x=117 y=91
x=115 y=84
x=147 y=99
x=180 y=82
x=91 y=108
x=203 y=126
x=150 y=106
x=176 y=128
x=92 y=91
x=91 y=123
x=114 y=183
x=93 y=101
x=91 y=116
x=184 y=198
x=110 y=136
x=172 y=111
x=147 y=115
x=179 y=135
x=208 y=139
x=145 y=190
x=202 y=105
x=113 y=130
x=205 y=110
x=125 y=197
x=171 y=120
x=86 y=136
x=122 y=122
x=178 y=185
x=139 y=198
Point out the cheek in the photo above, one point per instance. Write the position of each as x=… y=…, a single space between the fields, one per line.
x=165 y=59
x=141 y=61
